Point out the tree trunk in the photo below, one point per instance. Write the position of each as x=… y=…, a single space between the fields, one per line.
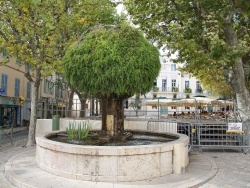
x=34 y=103
x=33 y=115
x=83 y=104
x=92 y=108
x=70 y=104
x=96 y=107
x=82 y=99
x=236 y=77
x=113 y=116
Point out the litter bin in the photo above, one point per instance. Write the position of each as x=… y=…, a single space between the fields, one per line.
x=55 y=123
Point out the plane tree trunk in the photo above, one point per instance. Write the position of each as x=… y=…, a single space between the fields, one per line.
x=236 y=75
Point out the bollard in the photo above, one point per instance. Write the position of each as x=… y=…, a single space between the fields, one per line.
x=55 y=123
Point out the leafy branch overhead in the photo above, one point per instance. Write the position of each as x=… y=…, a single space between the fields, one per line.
x=205 y=35
x=39 y=32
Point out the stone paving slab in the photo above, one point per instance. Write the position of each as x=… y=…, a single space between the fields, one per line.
x=233 y=169
x=21 y=171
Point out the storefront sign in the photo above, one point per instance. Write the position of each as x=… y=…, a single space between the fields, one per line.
x=7 y=100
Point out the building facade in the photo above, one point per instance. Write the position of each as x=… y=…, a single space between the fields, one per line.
x=15 y=94
x=172 y=83
x=53 y=97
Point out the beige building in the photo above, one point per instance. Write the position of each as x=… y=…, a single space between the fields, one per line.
x=15 y=86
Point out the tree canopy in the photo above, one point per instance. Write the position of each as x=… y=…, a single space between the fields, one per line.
x=112 y=61
x=206 y=35
x=38 y=32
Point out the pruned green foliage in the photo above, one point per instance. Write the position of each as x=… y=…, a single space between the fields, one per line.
x=112 y=61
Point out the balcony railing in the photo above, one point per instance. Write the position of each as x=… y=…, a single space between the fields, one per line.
x=169 y=90
x=172 y=89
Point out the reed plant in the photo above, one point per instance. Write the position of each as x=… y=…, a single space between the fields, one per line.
x=79 y=131
x=83 y=130
x=71 y=130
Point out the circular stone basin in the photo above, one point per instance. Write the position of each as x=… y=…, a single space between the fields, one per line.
x=113 y=163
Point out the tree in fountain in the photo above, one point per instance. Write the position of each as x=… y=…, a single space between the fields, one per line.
x=112 y=63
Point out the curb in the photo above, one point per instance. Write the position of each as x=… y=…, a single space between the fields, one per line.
x=13 y=177
x=204 y=179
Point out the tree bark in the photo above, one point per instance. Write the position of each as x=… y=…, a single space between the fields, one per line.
x=237 y=80
x=70 y=104
x=113 y=116
x=83 y=103
x=96 y=107
x=92 y=108
x=82 y=99
x=33 y=114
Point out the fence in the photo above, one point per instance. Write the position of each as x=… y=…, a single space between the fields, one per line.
x=162 y=126
x=215 y=136
x=210 y=135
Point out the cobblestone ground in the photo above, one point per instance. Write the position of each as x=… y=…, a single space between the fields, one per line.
x=234 y=169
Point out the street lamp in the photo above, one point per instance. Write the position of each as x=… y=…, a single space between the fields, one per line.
x=59 y=84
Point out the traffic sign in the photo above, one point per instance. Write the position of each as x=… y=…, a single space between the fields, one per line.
x=21 y=100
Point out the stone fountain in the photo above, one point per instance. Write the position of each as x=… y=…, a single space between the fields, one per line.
x=112 y=163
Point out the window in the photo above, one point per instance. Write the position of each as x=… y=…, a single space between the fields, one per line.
x=17 y=87
x=47 y=88
x=28 y=90
x=173 y=83
x=186 y=84
x=4 y=84
x=187 y=108
x=18 y=61
x=164 y=85
x=173 y=67
x=59 y=92
x=173 y=107
x=198 y=85
x=155 y=83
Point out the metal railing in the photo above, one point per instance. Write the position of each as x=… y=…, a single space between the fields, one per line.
x=209 y=135
x=162 y=126
x=215 y=136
